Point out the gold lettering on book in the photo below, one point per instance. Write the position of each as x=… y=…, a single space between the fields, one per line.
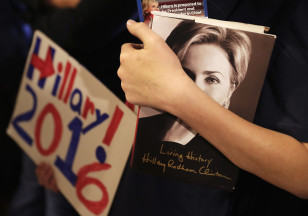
x=176 y=161
x=153 y=160
x=191 y=156
x=171 y=153
x=206 y=171
x=179 y=167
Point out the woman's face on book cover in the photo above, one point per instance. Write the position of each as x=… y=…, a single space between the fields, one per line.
x=153 y=6
x=209 y=68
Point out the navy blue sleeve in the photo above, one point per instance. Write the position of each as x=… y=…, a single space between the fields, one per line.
x=283 y=104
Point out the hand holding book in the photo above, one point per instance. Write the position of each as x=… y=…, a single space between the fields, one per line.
x=150 y=87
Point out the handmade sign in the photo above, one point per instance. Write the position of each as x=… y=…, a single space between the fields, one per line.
x=67 y=118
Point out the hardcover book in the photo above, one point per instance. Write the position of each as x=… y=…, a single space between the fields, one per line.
x=228 y=61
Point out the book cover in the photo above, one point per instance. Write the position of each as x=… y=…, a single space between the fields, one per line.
x=228 y=61
x=185 y=7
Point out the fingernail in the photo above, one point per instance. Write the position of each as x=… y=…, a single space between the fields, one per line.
x=130 y=22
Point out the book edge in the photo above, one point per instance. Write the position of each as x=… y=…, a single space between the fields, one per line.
x=228 y=24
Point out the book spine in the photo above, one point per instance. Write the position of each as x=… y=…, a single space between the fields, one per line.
x=133 y=148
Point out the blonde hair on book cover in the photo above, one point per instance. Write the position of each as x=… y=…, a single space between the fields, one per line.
x=235 y=43
x=145 y=4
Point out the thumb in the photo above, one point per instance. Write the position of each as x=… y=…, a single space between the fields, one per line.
x=141 y=31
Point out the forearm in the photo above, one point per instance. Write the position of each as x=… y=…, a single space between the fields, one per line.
x=275 y=157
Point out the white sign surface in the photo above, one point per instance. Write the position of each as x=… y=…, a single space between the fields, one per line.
x=64 y=116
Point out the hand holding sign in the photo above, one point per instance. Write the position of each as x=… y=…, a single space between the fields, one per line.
x=46 y=178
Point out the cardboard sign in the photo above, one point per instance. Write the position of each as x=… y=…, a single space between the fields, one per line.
x=67 y=118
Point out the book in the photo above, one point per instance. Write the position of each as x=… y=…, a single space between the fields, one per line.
x=185 y=7
x=228 y=61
